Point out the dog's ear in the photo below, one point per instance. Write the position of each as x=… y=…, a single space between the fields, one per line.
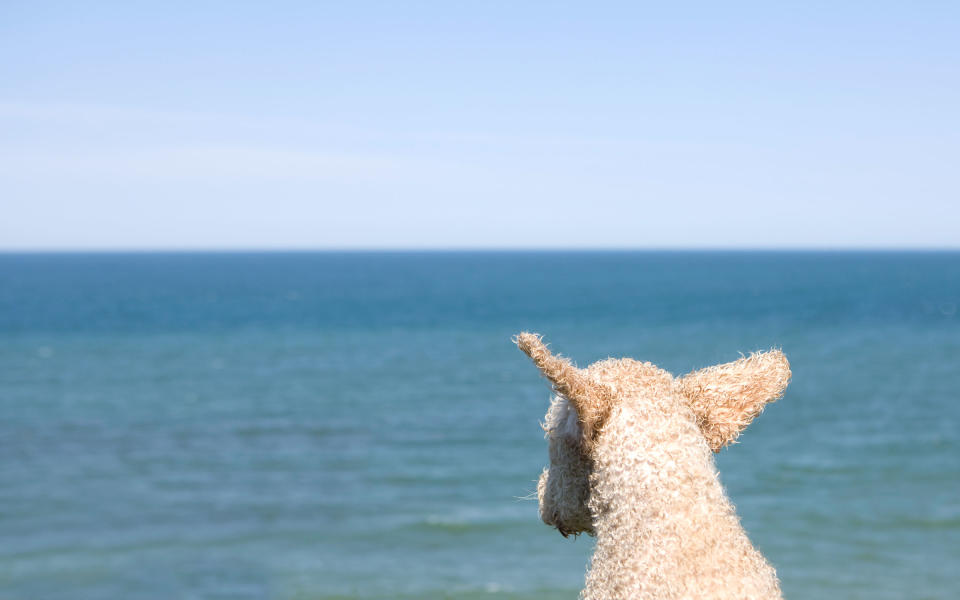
x=592 y=400
x=726 y=398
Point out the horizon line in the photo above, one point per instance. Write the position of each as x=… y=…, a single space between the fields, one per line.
x=471 y=249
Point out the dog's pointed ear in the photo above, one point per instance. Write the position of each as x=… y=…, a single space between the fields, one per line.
x=726 y=398
x=592 y=400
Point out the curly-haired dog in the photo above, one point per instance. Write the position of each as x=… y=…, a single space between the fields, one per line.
x=631 y=462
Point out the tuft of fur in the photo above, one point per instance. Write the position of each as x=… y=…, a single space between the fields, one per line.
x=638 y=473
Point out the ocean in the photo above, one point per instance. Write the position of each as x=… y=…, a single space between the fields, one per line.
x=359 y=425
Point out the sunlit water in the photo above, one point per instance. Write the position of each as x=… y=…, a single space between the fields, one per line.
x=359 y=425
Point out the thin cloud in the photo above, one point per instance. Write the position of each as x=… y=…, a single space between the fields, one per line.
x=232 y=162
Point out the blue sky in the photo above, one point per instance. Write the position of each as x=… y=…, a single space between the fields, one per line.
x=487 y=124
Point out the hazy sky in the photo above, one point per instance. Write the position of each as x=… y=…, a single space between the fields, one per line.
x=485 y=124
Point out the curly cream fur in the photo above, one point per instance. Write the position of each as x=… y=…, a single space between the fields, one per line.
x=636 y=470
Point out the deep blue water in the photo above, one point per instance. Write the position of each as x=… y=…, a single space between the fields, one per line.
x=358 y=425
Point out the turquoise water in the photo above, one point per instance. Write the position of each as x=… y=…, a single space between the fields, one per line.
x=359 y=425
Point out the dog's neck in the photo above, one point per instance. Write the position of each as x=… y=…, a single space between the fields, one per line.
x=665 y=528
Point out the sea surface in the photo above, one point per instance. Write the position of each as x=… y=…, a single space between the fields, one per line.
x=359 y=426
